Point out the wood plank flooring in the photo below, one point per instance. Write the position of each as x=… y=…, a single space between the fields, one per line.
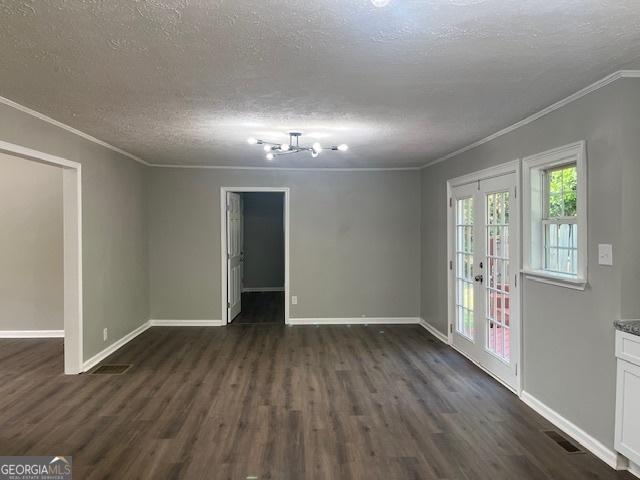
x=261 y=307
x=277 y=402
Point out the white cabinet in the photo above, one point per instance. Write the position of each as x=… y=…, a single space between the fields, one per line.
x=627 y=440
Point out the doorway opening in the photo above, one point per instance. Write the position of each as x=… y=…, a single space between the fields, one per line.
x=71 y=250
x=255 y=255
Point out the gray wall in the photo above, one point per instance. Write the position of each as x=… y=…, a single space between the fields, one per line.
x=628 y=255
x=568 y=352
x=263 y=239
x=361 y=228
x=114 y=228
x=31 y=256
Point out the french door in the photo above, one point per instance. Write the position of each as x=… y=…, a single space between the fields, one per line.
x=484 y=268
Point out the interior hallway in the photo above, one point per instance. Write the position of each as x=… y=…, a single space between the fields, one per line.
x=261 y=308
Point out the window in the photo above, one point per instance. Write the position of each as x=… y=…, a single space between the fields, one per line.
x=555 y=223
x=560 y=220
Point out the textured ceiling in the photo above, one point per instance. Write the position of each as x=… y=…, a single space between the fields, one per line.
x=187 y=81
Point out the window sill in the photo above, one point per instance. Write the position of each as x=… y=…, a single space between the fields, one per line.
x=541 y=276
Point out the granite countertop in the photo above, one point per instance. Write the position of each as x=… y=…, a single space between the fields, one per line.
x=629 y=326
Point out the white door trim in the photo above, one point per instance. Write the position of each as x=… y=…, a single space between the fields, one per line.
x=223 y=243
x=72 y=249
x=485 y=174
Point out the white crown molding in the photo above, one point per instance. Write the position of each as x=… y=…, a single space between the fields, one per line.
x=531 y=118
x=97 y=358
x=31 y=333
x=186 y=323
x=581 y=93
x=604 y=453
x=86 y=136
x=95 y=140
x=355 y=321
x=284 y=169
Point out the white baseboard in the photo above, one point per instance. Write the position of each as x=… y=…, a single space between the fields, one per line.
x=263 y=289
x=604 y=453
x=444 y=339
x=93 y=361
x=634 y=469
x=354 y=321
x=434 y=331
x=186 y=323
x=607 y=455
x=31 y=333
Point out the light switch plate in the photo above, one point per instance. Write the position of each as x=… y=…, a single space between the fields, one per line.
x=605 y=254
x=294 y=300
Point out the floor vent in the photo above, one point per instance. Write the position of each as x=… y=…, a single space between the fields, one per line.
x=566 y=445
x=111 y=369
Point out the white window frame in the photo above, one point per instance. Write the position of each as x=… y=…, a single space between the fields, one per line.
x=534 y=204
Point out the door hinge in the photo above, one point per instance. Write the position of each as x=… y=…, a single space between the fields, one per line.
x=515 y=192
x=450 y=264
x=516 y=280
x=516 y=369
x=450 y=202
x=228 y=305
x=451 y=328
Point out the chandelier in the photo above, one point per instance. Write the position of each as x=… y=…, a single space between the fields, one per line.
x=276 y=149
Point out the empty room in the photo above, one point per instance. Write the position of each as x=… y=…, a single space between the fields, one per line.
x=319 y=239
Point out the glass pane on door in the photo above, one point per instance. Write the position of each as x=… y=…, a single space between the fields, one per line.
x=464 y=267
x=497 y=285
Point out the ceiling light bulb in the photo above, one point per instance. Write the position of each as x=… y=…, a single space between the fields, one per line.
x=284 y=147
x=267 y=148
x=270 y=156
x=343 y=148
x=252 y=141
x=380 y=3
x=316 y=147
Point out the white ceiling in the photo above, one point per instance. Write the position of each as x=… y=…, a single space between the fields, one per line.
x=187 y=81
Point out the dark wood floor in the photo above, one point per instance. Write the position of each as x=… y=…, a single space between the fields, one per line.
x=261 y=307
x=276 y=402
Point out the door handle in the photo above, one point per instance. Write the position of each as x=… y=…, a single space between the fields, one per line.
x=479 y=278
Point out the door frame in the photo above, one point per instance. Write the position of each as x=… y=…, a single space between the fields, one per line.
x=223 y=243
x=513 y=166
x=72 y=248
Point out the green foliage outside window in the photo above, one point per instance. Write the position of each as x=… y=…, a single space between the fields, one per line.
x=562 y=185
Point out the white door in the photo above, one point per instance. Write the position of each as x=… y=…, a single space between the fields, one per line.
x=486 y=323
x=234 y=255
